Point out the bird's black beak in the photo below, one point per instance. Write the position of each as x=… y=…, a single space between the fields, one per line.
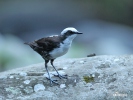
x=79 y=33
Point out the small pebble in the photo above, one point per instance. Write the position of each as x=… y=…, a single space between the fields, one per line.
x=39 y=87
x=23 y=74
x=62 y=86
x=93 y=75
x=21 y=86
x=91 y=55
x=17 y=78
x=64 y=67
x=26 y=81
x=116 y=59
x=81 y=62
x=11 y=77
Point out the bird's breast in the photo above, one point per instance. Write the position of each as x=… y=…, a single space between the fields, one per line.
x=57 y=52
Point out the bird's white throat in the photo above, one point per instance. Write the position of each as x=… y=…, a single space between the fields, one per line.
x=64 y=47
x=69 y=39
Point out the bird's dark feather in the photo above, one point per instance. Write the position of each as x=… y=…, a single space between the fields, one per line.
x=44 y=45
x=48 y=43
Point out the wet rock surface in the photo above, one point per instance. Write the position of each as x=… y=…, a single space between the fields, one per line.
x=90 y=78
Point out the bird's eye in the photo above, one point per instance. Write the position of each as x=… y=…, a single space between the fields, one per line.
x=70 y=32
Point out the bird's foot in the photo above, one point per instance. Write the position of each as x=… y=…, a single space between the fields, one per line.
x=53 y=81
x=61 y=76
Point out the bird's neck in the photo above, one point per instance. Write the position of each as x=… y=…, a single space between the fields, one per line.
x=69 y=39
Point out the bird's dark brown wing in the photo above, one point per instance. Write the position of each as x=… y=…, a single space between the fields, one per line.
x=48 y=43
x=44 y=45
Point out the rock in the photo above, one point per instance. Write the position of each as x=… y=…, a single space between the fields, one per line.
x=93 y=78
x=26 y=81
x=62 y=86
x=23 y=74
x=17 y=78
x=64 y=68
x=39 y=87
x=81 y=62
x=11 y=77
x=28 y=90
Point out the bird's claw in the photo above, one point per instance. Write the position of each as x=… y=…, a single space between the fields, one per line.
x=61 y=76
x=53 y=81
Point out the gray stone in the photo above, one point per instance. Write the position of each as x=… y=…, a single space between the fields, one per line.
x=11 y=77
x=28 y=90
x=62 y=86
x=23 y=74
x=92 y=78
x=39 y=87
x=26 y=81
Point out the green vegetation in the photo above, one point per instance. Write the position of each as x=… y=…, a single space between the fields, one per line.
x=88 y=79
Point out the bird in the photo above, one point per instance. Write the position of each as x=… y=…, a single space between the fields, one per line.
x=53 y=47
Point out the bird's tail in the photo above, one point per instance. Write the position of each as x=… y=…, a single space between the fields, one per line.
x=33 y=45
x=27 y=43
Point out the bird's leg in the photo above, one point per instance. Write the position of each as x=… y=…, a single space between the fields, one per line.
x=51 y=81
x=60 y=76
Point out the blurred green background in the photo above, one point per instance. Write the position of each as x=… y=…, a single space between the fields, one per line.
x=107 y=26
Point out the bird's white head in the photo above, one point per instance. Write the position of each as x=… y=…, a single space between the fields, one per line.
x=68 y=29
x=70 y=33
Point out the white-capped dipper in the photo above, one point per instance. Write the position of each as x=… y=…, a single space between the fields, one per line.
x=54 y=46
